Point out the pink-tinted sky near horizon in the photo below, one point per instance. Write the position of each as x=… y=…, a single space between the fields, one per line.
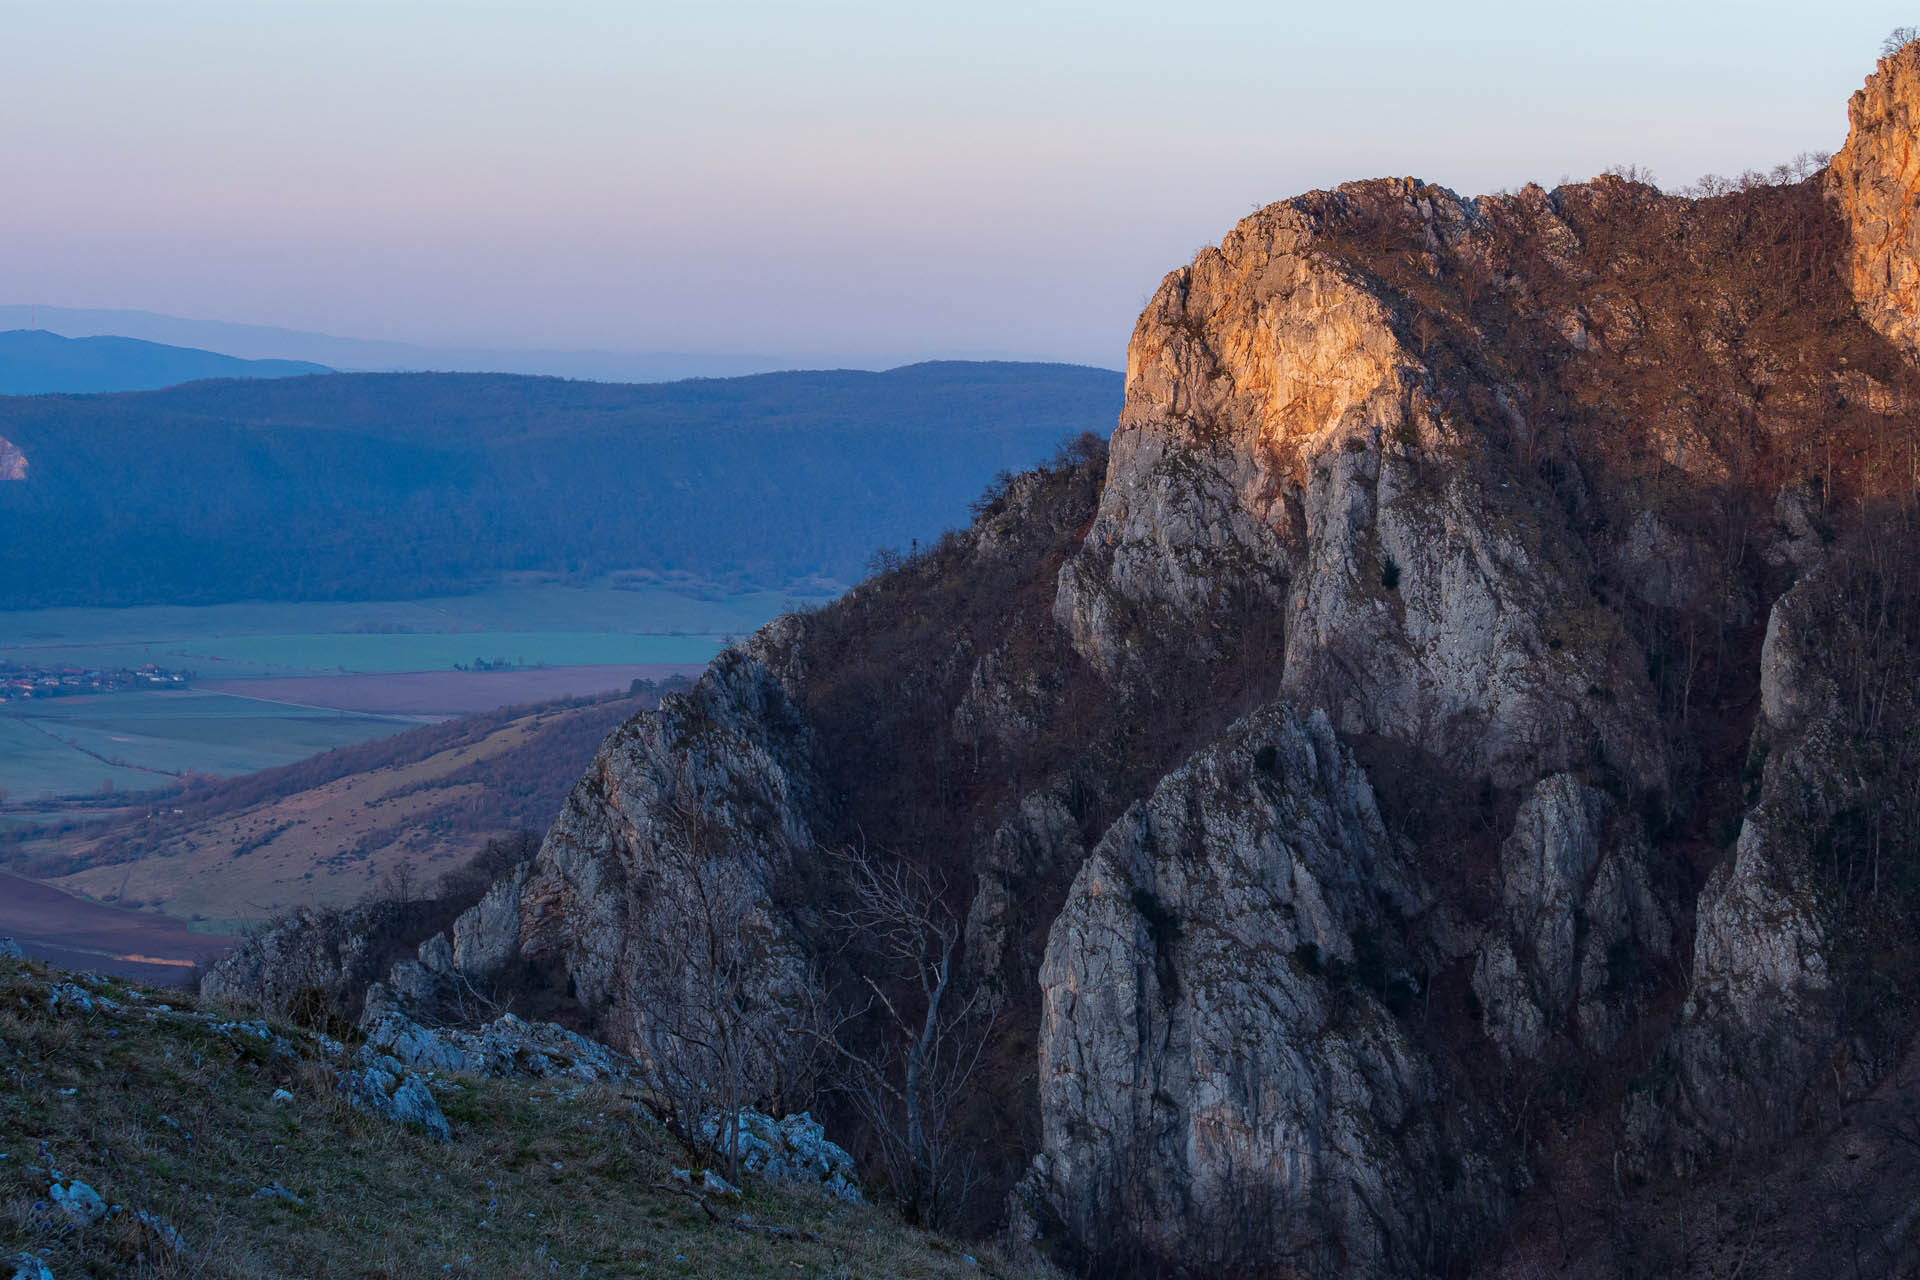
x=845 y=182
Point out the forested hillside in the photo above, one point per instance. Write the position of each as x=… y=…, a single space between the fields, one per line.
x=376 y=485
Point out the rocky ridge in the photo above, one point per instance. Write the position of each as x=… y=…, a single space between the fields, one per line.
x=1455 y=742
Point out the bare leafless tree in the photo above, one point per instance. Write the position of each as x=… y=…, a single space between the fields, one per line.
x=1425 y=330
x=913 y=1047
x=400 y=886
x=1636 y=173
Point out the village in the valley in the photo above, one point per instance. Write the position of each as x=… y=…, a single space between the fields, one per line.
x=18 y=683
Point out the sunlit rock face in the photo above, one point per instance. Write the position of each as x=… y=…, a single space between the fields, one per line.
x=13 y=463
x=1876 y=180
x=1284 y=448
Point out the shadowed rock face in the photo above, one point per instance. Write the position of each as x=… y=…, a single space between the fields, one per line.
x=1759 y=1020
x=317 y=957
x=691 y=814
x=1219 y=1056
x=1576 y=909
x=1333 y=798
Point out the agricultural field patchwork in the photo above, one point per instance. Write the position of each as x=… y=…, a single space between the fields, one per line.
x=534 y=625
x=99 y=743
x=330 y=828
x=275 y=683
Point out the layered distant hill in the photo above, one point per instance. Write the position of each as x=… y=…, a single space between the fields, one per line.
x=34 y=362
x=383 y=485
x=377 y=355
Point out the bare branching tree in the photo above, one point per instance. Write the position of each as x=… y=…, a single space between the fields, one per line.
x=1898 y=39
x=400 y=886
x=913 y=1047
x=1637 y=173
x=1799 y=169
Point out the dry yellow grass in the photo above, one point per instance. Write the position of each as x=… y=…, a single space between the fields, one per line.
x=163 y=1112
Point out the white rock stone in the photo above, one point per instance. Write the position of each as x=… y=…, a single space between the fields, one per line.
x=78 y=1201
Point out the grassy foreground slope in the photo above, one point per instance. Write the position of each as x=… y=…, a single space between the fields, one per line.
x=167 y=1111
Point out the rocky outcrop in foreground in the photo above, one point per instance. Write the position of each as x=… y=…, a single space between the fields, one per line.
x=143 y=1135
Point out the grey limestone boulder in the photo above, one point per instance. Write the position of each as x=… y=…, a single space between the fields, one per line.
x=381 y=1085
x=795 y=1149
x=506 y=1046
x=80 y=1203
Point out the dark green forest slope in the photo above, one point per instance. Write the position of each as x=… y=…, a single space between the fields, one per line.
x=370 y=485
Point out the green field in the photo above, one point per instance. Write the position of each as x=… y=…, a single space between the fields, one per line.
x=230 y=657
x=138 y=741
x=33 y=765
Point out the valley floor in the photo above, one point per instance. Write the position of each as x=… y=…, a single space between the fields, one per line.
x=272 y=683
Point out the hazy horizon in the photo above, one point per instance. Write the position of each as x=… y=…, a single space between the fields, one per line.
x=346 y=354
x=848 y=184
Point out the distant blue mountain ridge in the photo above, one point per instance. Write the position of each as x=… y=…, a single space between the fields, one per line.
x=378 y=355
x=34 y=362
x=389 y=486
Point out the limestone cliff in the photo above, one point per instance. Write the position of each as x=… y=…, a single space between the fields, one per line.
x=1282 y=446
x=1876 y=181
x=1220 y=1056
x=1455 y=743
x=686 y=821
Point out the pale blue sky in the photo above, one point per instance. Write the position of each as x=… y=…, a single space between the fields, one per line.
x=823 y=182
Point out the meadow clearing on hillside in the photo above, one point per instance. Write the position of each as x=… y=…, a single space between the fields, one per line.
x=332 y=828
